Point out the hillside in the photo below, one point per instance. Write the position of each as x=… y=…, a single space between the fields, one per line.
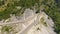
x=17 y=9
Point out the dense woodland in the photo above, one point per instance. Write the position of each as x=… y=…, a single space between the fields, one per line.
x=50 y=7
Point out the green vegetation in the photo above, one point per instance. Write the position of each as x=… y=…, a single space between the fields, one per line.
x=6 y=29
x=42 y=21
x=53 y=11
x=10 y=8
x=50 y=7
x=1 y=3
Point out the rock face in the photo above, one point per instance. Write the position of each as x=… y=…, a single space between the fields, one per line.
x=29 y=23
